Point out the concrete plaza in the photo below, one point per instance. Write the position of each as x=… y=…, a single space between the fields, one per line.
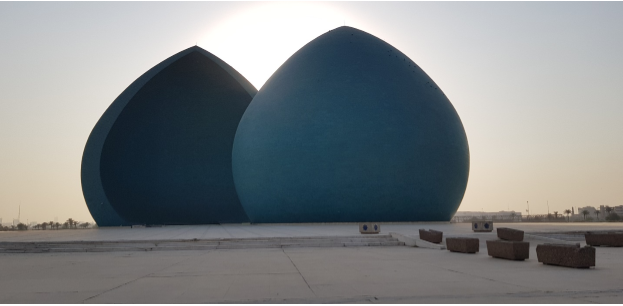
x=390 y=274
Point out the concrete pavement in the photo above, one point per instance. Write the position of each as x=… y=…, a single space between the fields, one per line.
x=395 y=274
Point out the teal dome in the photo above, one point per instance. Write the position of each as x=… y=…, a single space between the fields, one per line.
x=350 y=129
x=161 y=153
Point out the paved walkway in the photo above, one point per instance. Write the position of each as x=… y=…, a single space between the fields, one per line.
x=301 y=275
x=272 y=230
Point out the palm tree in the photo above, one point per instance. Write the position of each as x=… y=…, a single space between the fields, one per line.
x=70 y=221
x=584 y=213
x=567 y=212
x=555 y=215
x=608 y=209
x=51 y=223
x=597 y=214
x=57 y=225
x=513 y=215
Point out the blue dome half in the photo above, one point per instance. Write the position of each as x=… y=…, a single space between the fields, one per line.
x=161 y=153
x=350 y=129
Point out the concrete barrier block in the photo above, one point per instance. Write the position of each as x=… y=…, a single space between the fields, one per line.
x=513 y=250
x=482 y=226
x=463 y=244
x=607 y=239
x=369 y=228
x=510 y=234
x=431 y=235
x=566 y=255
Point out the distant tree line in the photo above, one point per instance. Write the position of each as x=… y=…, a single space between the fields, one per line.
x=69 y=224
x=611 y=216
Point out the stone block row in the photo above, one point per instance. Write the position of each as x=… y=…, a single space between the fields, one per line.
x=566 y=255
x=431 y=235
x=604 y=239
x=511 y=246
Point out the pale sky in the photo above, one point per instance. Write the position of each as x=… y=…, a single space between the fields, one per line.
x=538 y=86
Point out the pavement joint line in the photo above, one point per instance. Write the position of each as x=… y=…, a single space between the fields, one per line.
x=226 y=231
x=229 y=287
x=196 y=244
x=485 y=278
x=248 y=231
x=197 y=240
x=141 y=277
x=206 y=231
x=186 y=230
x=221 y=274
x=584 y=301
x=301 y=274
x=397 y=299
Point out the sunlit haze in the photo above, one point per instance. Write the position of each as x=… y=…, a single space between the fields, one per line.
x=537 y=85
x=258 y=39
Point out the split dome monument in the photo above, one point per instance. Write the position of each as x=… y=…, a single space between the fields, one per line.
x=348 y=129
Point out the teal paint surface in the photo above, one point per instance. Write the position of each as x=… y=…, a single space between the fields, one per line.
x=161 y=154
x=350 y=129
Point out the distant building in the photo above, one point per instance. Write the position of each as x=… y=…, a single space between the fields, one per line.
x=578 y=216
x=591 y=210
x=500 y=215
x=615 y=209
x=591 y=213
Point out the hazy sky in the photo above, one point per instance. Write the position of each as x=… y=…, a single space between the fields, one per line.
x=538 y=86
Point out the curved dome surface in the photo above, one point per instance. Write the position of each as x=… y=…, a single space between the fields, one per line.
x=161 y=153
x=349 y=129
